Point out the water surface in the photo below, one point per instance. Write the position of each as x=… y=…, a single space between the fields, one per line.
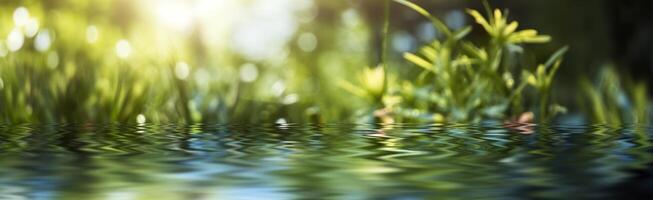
x=323 y=161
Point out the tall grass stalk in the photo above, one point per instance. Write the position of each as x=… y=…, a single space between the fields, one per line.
x=386 y=37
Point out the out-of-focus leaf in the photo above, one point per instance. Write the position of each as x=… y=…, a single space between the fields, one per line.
x=556 y=56
x=436 y=22
x=419 y=61
x=460 y=34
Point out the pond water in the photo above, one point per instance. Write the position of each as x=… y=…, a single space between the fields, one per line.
x=325 y=161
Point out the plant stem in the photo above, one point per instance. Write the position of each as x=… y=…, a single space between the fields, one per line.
x=384 y=50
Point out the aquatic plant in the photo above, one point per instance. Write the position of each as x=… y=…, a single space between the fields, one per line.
x=614 y=100
x=465 y=82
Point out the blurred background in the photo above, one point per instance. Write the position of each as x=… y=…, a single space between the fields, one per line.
x=266 y=60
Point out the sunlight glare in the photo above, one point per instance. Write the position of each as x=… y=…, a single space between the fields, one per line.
x=175 y=14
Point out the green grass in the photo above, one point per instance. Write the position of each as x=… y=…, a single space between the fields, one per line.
x=450 y=79
x=466 y=82
x=613 y=101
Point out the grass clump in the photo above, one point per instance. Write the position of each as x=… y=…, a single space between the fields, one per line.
x=613 y=101
x=465 y=82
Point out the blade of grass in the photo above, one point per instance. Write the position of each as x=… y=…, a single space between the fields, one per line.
x=419 y=61
x=555 y=56
x=351 y=88
x=386 y=36
x=436 y=22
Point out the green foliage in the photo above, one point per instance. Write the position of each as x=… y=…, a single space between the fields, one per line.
x=464 y=82
x=613 y=101
x=81 y=80
x=114 y=64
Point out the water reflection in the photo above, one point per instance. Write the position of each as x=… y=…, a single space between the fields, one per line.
x=339 y=161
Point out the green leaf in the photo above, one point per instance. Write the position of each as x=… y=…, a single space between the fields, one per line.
x=419 y=61
x=436 y=22
x=460 y=34
x=556 y=56
x=480 y=20
x=429 y=52
x=510 y=28
x=596 y=100
x=553 y=71
x=351 y=88
x=537 y=39
x=488 y=9
x=474 y=51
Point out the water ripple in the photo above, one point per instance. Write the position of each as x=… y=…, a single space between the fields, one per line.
x=339 y=161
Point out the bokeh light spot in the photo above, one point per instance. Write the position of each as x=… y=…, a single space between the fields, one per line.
x=123 y=49
x=275 y=18
x=3 y=50
x=202 y=77
x=248 y=72
x=21 y=16
x=42 y=41
x=15 y=40
x=290 y=99
x=455 y=19
x=52 y=60
x=92 y=34
x=182 y=70
x=307 y=42
x=278 y=88
x=174 y=14
x=140 y=119
x=32 y=27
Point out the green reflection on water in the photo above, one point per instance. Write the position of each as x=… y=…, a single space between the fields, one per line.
x=333 y=161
